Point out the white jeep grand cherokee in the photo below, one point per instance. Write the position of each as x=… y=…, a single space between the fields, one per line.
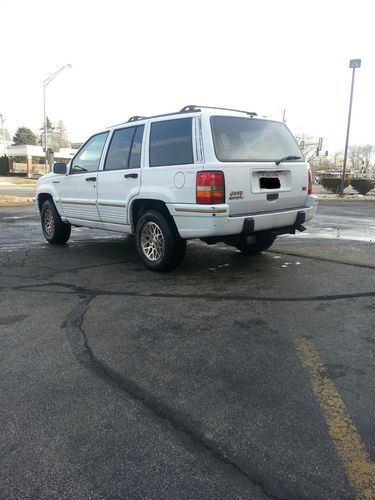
x=210 y=173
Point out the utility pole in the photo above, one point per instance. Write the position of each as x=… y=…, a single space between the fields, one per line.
x=47 y=143
x=3 y=134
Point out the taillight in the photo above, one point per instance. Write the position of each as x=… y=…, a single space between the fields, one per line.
x=210 y=187
x=309 y=189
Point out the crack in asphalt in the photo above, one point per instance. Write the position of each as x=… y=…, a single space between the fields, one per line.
x=6 y=261
x=24 y=259
x=106 y=240
x=322 y=259
x=93 y=292
x=75 y=270
x=84 y=354
x=52 y=272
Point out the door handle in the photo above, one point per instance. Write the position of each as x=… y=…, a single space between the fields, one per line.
x=133 y=176
x=92 y=179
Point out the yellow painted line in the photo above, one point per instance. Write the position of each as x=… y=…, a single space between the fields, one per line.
x=352 y=452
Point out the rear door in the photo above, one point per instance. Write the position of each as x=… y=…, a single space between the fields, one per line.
x=248 y=150
x=120 y=178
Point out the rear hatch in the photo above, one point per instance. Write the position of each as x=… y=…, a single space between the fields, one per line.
x=249 y=150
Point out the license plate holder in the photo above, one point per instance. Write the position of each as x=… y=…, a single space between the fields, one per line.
x=269 y=173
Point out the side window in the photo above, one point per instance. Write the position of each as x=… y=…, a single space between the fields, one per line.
x=88 y=158
x=119 y=149
x=135 y=155
x=171 y=142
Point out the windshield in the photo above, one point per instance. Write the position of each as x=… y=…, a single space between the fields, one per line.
x=249 y=139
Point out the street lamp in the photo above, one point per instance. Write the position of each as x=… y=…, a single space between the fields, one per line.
x=46 y=82
x=354 y=63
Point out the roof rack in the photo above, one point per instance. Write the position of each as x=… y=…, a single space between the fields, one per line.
x=192 y=107
x=135 y=118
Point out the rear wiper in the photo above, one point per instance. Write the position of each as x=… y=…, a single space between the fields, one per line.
x=286 y=158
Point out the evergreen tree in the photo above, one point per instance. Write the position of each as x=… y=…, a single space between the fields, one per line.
x=64 y=138
x=49 y=124
x=24 y=135
x=49 y=127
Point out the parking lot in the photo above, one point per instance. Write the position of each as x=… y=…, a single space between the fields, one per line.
x=231 y=377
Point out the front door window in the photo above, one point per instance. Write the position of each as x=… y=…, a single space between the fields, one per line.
x=88 y=158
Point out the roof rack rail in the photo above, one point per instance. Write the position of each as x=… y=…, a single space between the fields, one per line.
x=192 y=107
x=135 y=118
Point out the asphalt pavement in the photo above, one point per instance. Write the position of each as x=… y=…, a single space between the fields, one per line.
x=231 y=377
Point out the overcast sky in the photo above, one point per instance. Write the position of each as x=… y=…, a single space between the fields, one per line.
x=148 y=57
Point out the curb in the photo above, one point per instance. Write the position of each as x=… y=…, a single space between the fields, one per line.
x=346 y=197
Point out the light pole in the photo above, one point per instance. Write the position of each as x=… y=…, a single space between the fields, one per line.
x=46 y=82
x=354 y=63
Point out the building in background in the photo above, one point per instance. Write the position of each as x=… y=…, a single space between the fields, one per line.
x=30 y=160
x=5 y=141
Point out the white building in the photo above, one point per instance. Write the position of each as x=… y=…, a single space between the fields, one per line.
x=33 y=154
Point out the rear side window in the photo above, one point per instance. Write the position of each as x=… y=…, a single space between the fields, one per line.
x=249 y=139
x=171 y=142
x=125 y=149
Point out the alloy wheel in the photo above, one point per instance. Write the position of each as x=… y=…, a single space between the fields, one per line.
x=152 y=241
x=49 y=223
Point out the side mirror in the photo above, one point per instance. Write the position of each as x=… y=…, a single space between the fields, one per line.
x=59 y=168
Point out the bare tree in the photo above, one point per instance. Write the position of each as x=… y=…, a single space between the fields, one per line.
x=309 y=146
x=368 y=149
x=355 y=156
x=360 y=156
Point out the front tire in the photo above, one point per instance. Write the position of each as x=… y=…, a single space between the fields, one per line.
x=262 y=242
x=54 y=229
x=159 y=245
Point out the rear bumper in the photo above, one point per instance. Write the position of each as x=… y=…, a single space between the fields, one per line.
x=202 y=221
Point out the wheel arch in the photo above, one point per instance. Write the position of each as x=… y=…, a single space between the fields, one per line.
x=42 y=197
x=141 y=206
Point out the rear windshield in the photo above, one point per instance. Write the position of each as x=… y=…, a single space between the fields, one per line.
x=249 y=139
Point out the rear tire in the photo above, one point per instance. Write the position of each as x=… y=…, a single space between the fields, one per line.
x=262 y=242
x=159 y=245
x=54 y=229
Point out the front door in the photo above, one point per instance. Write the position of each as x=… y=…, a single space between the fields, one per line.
x=120 y=178
x=77 y=190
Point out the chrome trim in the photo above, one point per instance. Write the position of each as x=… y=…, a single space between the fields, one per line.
x=278 y=211
x=202 y=211
x=197 y=140
x=82 y=202
x=108 y=204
